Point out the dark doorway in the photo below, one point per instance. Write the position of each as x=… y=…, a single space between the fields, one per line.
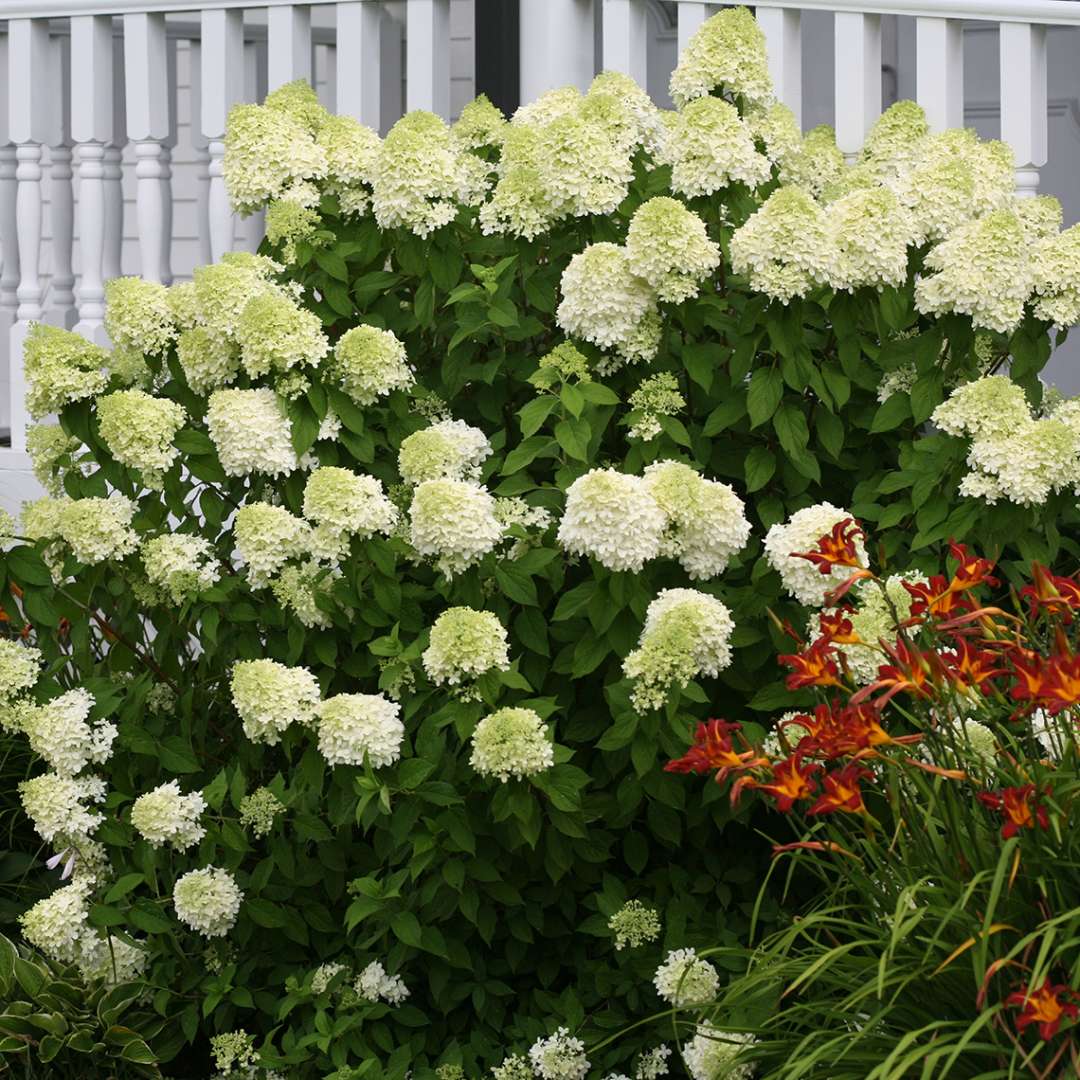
x=497 y=42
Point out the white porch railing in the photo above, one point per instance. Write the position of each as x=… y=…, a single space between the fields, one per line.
x=82 y=79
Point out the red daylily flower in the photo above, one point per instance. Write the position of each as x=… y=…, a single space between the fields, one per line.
x=792 y=780
x=836 y=628
x=1053 y=682
x=714 y=748
x=842 y=791
x=1020 y=807
x=969 y=666
x=1043 y=1006
x=836 y=548
x=1052 y=594
x=814 y=666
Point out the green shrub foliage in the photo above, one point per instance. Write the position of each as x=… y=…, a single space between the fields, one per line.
x=582 y=288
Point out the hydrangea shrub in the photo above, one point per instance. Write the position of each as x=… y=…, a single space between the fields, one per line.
x=381 y=571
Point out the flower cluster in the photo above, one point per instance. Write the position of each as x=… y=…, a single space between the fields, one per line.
x=180 y=564
x=559 y=1057
x=453 y=522
x=165 y=816
x=374 y=984
x=270 y=696
x=208 y=900
x=807 y=582
x=369 y=363
x=61 y=367
x=259 y=809
x=685 y=979
x=355 y=727
x=250 y=432
x=465 y=644
x=656 y=396
x=511 y=742
x=446 y=450
x=686 y=633
x=634 y=924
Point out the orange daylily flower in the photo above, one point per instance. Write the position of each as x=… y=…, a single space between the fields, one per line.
x=814 y=666
x=970 y=666
x=792 y=780
x=836 y=548
x=1020 y=807
x=1052 y=594
x=714 y=748
x=1054 y=682
x=836 y=628
x=842 y=791
x=1043 y=1006
x=910 y=670
x=938 y=598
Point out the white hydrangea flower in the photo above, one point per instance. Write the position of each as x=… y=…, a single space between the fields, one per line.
x=1056 y=276
x=687 y=633
x=181 y=564
x=603 y=300
x=208 y=363
x=895 y=140
x=653 y=1063
x=270 y=696
x=983 y=269
x=784 y=246
x=139 y=430
x=208 y=900
x=352 y=726
x=513 y=1067
x=374 y=984
x=634 y=924
x=297 y=587
x=707 y=522
x=165 y=816
x=799 y=534
x=712 y=1054
x=511 y=743
x=20 y=665
x=1027 y=465
x=251 y=432
x=97 y=529
x=324 y=975
x=868 y=234
x=613 y=518
x=56 y=924
x=138 y=316
x=222 y=292
x=259 y=809
x=275 y=333
x=61 y=733
x=668 y=247
x=816 y=164
x=991 y=406
x=464 y=644
x=369 y=363
x=110 y=960
x=685 y=979
x=584 y=170
x=726 y=53
x=267 y=537
x=709 y=146
x=55 y=803
x=60 y=367
x=656 y=396
x=234 y=1051
x=454 y=522
x=49 y=446
x=348 y=503
x=448 y=449
x=559 y=1057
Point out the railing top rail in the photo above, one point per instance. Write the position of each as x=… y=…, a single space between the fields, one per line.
x=1047 y=12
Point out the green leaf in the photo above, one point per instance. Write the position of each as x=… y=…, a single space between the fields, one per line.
x=892 y=413
x=729 y=412
x=701 y=362
x=574 y=601
x=830 y=432
x=759 y=468
x=516 y=584
x=149 y=917
x=535 y=412
x=332 y=263
x=406 y=928
x=763 y=396
x=264 y=912
x=27 y=568
x=525 y=453
x=598 y=393
x=790 y=426
x=190 y=441
x=123 y=886
x=926 y=395
x=573 y=436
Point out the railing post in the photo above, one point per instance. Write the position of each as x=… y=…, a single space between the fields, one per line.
x=556 y=46
x=783 y=37
x=149 y=126
x=30 y=112
x=858 y=78
x=1023 y=100
x=427 y=56
x=939 y=71
x=253 y=227
x=9 y=275
x=91 y=127
x=112 y=265
x=61 y=297
x=625 y=38
x=201 y=146
x=288 y=35
x=358 y=66
x=222 y=87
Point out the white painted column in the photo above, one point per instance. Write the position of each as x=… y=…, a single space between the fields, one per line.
x=222 y=87
x=358 y=66
x=939 y=71
x=689 y=16
x=288 y=35
x=149 y=125
x=31 y=111
x=114 y=169
x=858 y=78
x=427 y=56
x=253 y=227
x=201 y=146
x=556 y=46
x=1023 y=100
x=60 y=309
x=9 y=275
x=625 y=38
x=783 y=38
x=91 y=127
